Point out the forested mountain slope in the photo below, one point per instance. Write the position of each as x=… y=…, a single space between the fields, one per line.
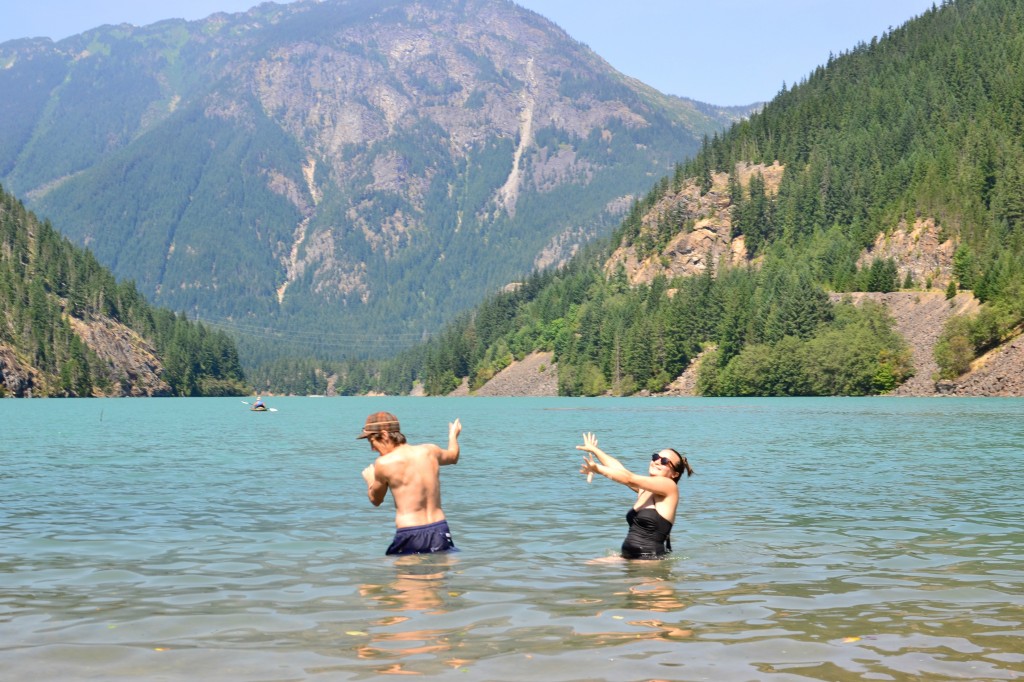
x=333 y=178
x=68 y=328
x=899 y=164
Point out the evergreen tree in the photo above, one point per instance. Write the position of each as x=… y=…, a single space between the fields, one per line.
x=48 y=286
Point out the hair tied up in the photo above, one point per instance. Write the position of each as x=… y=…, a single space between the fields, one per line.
x=684 y=465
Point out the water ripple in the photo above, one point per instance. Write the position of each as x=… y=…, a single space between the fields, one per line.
x=841 y=539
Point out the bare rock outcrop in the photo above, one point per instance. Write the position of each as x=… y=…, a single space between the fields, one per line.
x=920 y=251
x=133 y=367
x=534 y=376
x=17 y=379
x=999 y=373
x=685 y=385
x=129 y=363
x=919 y=317
x=708 y=243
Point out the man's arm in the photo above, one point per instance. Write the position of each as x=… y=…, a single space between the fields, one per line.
x=450 y=455
x=376 y=487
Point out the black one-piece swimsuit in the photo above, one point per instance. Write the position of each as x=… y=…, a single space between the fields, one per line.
x=648 y=534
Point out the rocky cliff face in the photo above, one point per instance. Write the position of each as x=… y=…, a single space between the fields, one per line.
x=19 y=378
x=129 y=364
x=132 y=367
x=919 y=317
x=703 y=226
x=471 y=73
x=708 y=243
x=920 y=252
x=311 y=164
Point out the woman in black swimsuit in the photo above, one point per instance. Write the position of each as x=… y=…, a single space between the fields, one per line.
x=652 y=515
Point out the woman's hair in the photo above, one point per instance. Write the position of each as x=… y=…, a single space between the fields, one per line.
x=683 y=465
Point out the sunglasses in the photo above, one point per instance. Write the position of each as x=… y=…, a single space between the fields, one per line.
x=665 y=461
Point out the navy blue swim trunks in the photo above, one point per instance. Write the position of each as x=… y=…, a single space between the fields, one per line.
x=433 y=537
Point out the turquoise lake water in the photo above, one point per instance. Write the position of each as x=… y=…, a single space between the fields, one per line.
x=820 y=539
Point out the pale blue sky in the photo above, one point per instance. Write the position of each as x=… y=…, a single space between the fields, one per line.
x=717 y=51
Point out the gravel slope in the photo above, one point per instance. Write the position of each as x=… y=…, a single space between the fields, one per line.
x=919 y=316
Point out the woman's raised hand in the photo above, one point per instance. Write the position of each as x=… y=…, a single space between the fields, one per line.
x=589 y=446
x=589 y=443
x=588 y=467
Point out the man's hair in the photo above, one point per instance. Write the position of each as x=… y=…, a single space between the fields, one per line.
x=393 y=437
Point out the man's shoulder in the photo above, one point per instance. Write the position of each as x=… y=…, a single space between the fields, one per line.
x=414 y=447
x=404 y=452
x=408 y=453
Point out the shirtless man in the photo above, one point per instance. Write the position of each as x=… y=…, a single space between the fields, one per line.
x=411 y=473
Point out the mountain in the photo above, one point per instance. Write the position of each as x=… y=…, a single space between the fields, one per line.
x=334 y=178
x=895 y=166
x=69 y=329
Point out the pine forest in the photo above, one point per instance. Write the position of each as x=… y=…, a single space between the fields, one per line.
x=925 y=123
x=54 y=296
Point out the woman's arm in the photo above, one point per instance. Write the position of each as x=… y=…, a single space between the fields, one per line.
x=658 y=485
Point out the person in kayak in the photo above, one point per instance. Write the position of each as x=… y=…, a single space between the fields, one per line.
x=651 y=517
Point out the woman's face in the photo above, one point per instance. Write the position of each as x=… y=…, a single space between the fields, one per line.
x=663 y=463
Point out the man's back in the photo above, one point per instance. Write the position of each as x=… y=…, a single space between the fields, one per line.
x=411 y=472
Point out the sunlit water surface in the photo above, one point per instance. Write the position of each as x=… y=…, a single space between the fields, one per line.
x=820 y=539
